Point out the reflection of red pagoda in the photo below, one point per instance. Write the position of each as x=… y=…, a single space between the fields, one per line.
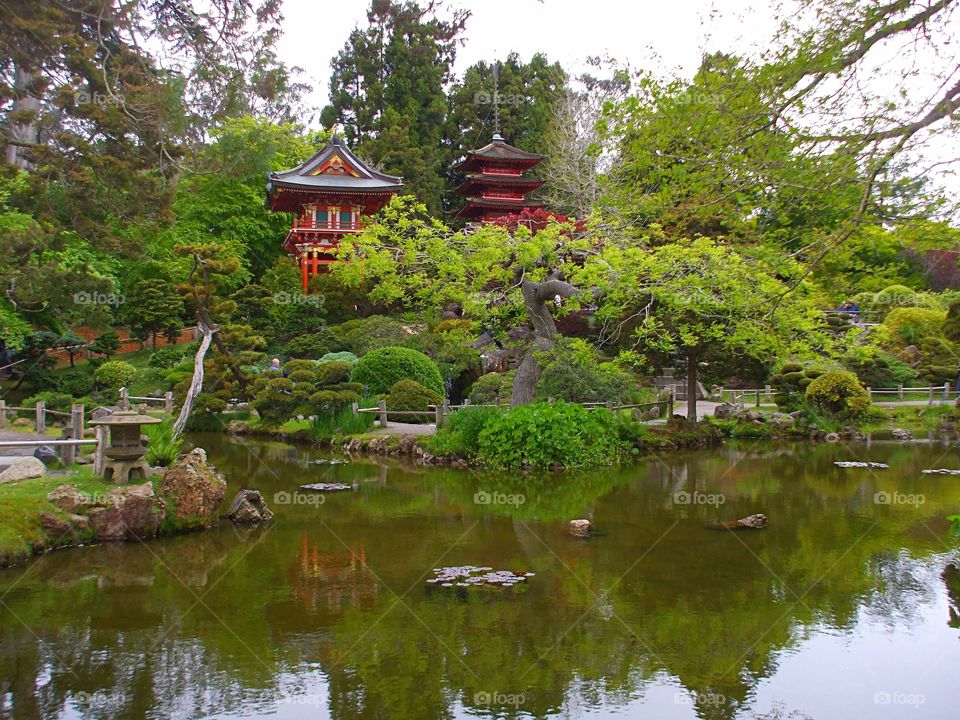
x=496 y=184
x=329 y=193
x=329 y=579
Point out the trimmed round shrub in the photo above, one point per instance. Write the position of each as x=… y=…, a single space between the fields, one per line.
x=908 y=326
x=492 y=388
x=331 y=373
x=169 y=356
x=543 y=435
x=312 y=345
x=838 y=393
x=380 y=369
x=409 y=395
x=294 y=366
x=338 y=357
x=115 y=374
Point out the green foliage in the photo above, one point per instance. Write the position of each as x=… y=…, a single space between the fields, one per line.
x=572 y=371
x=336 y=371
x=76 y=384
x=790 y=384
x=380 y=369
x=954 y=524
x=838 y=393
x=492 y=388
x=53 y=400
x=340 y=421
x=362 y=335
x=410 y=396
x=449 y=347
x=116 y=374
x=162 y=449
x=311 y=345
x=338 y=357
x=910 y=325
x=460 y=434
x=544 y=435
x=106 y=343
x=13 y=328
x=170 y=356
x=951 y=324
x=876 y=368
x=152 y=307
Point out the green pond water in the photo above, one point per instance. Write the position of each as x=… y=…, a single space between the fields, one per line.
x=846 y=606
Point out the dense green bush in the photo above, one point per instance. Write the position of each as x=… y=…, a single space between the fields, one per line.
x=838 y=393
x=162 y=449
x=544 y=435
x=576 y=375
x=493 y=388
x=115 y=374
x=75 y=384
x=460 y=434
x=380 y=369
x=363 y=335
x=410 y=396
x=790 y=384
x=951 y=325
x=57 y=401
x=170 y=356
x=877 y=368
x=908 y=326
x=449 y=349
x=337 y=371
x=311 y=345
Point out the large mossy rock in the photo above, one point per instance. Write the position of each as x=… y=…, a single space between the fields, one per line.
x=193 y=491
x=132 y=512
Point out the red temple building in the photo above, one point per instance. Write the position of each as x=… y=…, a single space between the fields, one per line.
x=329 y=193
x=496 y=183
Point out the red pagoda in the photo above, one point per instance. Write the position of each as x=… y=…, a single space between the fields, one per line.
x=495 y=183
x=329 y=193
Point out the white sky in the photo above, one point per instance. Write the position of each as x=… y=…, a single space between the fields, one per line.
x=647 y=34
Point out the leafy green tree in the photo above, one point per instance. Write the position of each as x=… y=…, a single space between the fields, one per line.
x=152 y=307
x=690 y=298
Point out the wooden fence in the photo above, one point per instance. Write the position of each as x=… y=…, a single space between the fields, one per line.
x=71 y=435
x=765 y=395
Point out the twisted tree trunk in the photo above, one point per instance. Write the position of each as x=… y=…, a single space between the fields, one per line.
x=536 y=299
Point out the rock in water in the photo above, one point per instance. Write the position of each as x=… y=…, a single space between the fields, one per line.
x=901 y=434
x=194 y=489
x=751 y=522
x=579 y=528
x=248 y=506
x=23 y=468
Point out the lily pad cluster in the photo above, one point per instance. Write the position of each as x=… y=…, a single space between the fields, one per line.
x=471 y=576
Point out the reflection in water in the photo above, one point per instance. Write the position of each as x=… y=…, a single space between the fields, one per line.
x=324 y=612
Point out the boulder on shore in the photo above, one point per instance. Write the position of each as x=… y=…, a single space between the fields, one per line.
x=193 y=490
x=23 y=468
x=131 y=512
x=901 y=434
x=579 y=528
x=248 y=506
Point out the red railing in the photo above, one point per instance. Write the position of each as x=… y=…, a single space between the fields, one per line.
x=330 y=226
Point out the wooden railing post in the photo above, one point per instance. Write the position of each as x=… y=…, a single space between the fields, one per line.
x=76 y=421
x=383 y=412
x=670 y=403
x=769 y=393
x=68 y=452
x=930 y=400
x=946 y=391
x=758 y=397
x=355 y=406
x=869 y=393
x=41 y=421
x=124 y=399
x=438 y=415
x=900 y=392
x=168 y=402
x=3 y=413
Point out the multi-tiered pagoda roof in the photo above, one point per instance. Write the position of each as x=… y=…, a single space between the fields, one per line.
x=496 y=183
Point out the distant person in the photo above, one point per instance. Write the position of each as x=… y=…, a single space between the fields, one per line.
x=851 y=309
x=275 y=364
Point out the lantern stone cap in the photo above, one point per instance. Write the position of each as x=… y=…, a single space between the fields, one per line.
x=126 y=417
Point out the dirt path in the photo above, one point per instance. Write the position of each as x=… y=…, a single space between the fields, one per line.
x=14 y=436
x=398 y=428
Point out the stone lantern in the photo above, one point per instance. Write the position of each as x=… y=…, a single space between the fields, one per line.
x=125 y=451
